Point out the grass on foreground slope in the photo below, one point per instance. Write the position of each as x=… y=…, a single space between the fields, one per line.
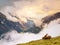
x=52 y=41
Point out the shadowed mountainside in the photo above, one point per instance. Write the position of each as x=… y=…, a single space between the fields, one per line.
x=48 y=19
x=7 y=25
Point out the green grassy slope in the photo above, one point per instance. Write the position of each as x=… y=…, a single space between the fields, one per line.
x=53 y=41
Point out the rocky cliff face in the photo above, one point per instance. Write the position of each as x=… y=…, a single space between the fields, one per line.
x=48 y=19
x=7 y=25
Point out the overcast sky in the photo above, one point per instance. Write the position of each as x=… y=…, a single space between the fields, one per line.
x=45 y=4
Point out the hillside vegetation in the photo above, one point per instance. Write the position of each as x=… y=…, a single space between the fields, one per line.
x=52 y=41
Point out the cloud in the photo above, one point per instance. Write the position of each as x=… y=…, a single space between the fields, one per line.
x=37 y=9
x=4 y=3
x=19 y=11
x=13 y=37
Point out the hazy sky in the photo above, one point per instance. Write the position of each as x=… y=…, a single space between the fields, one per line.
x=44 y=5
x=35 y=8
x=29 y=6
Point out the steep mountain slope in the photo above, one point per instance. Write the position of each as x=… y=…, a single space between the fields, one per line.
x=53 y=41
x=7 y=25
x=48 y=19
